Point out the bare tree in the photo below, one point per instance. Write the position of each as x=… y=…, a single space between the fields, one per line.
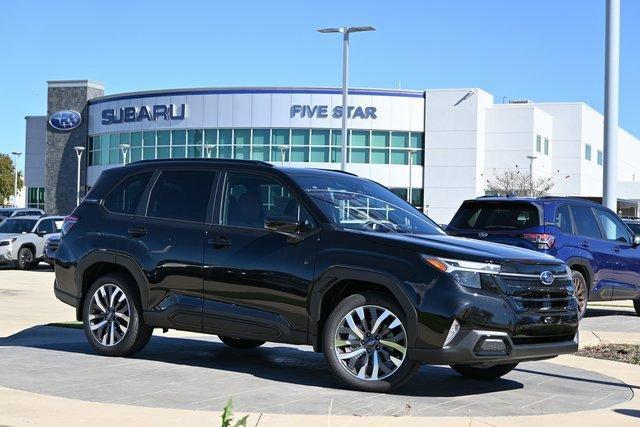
x=514 y=183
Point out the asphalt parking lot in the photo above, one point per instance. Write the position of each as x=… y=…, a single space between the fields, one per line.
x=197 y=372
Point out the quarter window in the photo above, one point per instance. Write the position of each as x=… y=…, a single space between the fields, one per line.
x=182 y=195
x=586 y=224
x=251 y=199
x=563 y=219
x=587 y=152
x=125 y=197
x=612 y=227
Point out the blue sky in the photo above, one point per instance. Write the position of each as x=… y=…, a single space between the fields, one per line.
x=544 y=50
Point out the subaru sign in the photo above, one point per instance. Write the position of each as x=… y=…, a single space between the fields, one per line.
x=322 y=112
x=65 y=120
x=152 y=113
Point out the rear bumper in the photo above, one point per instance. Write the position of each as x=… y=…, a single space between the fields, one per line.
x=63 y=296
x=466 y=349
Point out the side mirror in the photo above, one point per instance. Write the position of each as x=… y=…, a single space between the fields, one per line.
x=40 y=232
x=636 y=240
x=283 y=225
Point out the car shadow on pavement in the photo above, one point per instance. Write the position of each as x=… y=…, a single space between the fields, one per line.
x=282 y=363
x=610 y=311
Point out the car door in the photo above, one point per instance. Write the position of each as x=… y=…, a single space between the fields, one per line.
x=624 y=252
x=167 y=241
x=589 y=238
x=256 y=280
x=44 y=228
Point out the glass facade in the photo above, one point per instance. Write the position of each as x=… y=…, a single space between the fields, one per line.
x=35 y=197
x=269 y=145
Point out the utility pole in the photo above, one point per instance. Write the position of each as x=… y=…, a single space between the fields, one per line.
x=531 y=159
x=611 y=87
x=16 y=155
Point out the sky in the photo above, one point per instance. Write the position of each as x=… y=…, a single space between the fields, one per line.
x=542 y=50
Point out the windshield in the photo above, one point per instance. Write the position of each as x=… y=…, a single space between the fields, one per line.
x=634 y=226
x=15 y=226
x=360 y=204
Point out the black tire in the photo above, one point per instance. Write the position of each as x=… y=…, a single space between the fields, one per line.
x=397 y=378
x=479 y=372
x=636 y=305
x=137 y=334
x=581 y=289
x=25 y=259
x=240 y=343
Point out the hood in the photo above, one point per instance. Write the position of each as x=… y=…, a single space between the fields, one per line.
x=461 y=248
x=7 y=236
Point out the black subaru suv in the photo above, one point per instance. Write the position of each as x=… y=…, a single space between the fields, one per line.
x=255 y=253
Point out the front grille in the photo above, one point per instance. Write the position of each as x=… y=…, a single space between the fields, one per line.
x=542 y=340
x=53 y=246
x=527 y=294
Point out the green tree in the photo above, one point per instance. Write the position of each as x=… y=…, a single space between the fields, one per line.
x=7 y=171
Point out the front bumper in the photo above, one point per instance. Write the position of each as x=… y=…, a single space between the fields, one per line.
x=466 y=348
x=5 y=255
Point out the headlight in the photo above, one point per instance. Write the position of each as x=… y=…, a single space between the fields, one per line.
x=466 y=273
x=7 y=242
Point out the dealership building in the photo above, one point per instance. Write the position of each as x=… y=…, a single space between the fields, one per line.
x=435 y=148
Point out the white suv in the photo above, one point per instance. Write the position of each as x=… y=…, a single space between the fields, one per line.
x=22 y=239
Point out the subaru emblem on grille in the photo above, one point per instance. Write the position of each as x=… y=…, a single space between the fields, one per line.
x=547 y=277
x=483 y=234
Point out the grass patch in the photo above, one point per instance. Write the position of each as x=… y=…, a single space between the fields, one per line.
x=627 y=353
x=72 y=325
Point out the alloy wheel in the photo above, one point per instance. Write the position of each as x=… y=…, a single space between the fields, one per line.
x=370 y=342
x=109 y=315
x=580 y=291
x=26 y=257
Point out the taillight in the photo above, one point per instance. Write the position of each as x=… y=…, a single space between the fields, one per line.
x=68 y=223
x=542 y=240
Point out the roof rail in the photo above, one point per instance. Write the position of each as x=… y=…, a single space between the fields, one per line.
x=198 y=159
x=337 y=170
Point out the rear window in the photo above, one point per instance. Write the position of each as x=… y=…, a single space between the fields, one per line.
x=496 y=216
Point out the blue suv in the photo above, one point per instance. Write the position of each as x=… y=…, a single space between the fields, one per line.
x=598 y=246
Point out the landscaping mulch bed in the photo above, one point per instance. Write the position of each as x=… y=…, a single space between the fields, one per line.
x=628 y=353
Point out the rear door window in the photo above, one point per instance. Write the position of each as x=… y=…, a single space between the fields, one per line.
x=496 y=216
x=586 y=224
x=181 y=194
x=613 y=228
x=125 y=197
x=562 y=219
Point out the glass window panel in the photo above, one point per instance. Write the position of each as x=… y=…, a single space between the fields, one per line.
x=379 y=156
x=195 y=151
x=95 y=158
x=319 y=137
x=415 y=140
x=276 y=154
x=299 y=154
x=260 y=137
x=260 y=153
x=336 y=155
x=587 y=152
x=400 y=192
x=400 y=139
x=136 y=154
x=242 y=153
x=178 y=137
x=149 y=138
x=359 y=155
x=224 y=152
x=299 y=137
x=148 y=153
x=94 y=143
x=546 y=146
x=136 y=139
x=336 y=137
x=538 y=143
x=416 y=158
x=164 y=152
x=114 y=151
x=320 y=154
x=280 y=137
x=125 y=138
x=178 y=152
x=104 y=157
x=114 y=140
x=211 y=136
x=242 y=137
x=224 y=137
x=399 y=157
x=379 y=139
x=359 y=139
x=600 y=157
x=164 y=138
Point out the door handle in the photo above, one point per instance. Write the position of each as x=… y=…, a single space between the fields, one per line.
x=616 y=249
x=219 y=242
x=585 y=244
x=138 y=231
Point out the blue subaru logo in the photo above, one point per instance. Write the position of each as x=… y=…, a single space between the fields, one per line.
x=547 y=278
x=65 y=120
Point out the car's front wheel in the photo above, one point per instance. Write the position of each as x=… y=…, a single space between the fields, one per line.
x=240 y=343
x=581 y=291
x=484 y=372
x=365 y=343
x=25 y=259
x=112 y=317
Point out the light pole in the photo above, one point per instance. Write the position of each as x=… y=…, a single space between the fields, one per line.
x=16 y=154
x=611 y=88
x=531 y=159
x=283 y=149
x=345 y=80
x=79 y=151
x=410 y=151
x=207 y=149
x=125 y=149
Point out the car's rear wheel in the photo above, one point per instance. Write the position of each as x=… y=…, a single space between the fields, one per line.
x=581 y=291
x=240 y=343
x=112 y=317
x=25 y=259
x=484 y=371
x=365 y=343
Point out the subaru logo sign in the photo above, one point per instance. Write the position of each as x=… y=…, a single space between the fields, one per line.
x=483 y=234
x=65 y=120
x=547 y=278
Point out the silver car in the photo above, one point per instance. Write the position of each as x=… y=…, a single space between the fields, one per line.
x=22 y=239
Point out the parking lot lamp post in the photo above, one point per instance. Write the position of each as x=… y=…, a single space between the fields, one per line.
x=531 y=159
x=125 y=150
x=283 y=150
x=345 y=31
x=207 y=149
x=79 y=151
x=16 y=154
x=410 y=152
